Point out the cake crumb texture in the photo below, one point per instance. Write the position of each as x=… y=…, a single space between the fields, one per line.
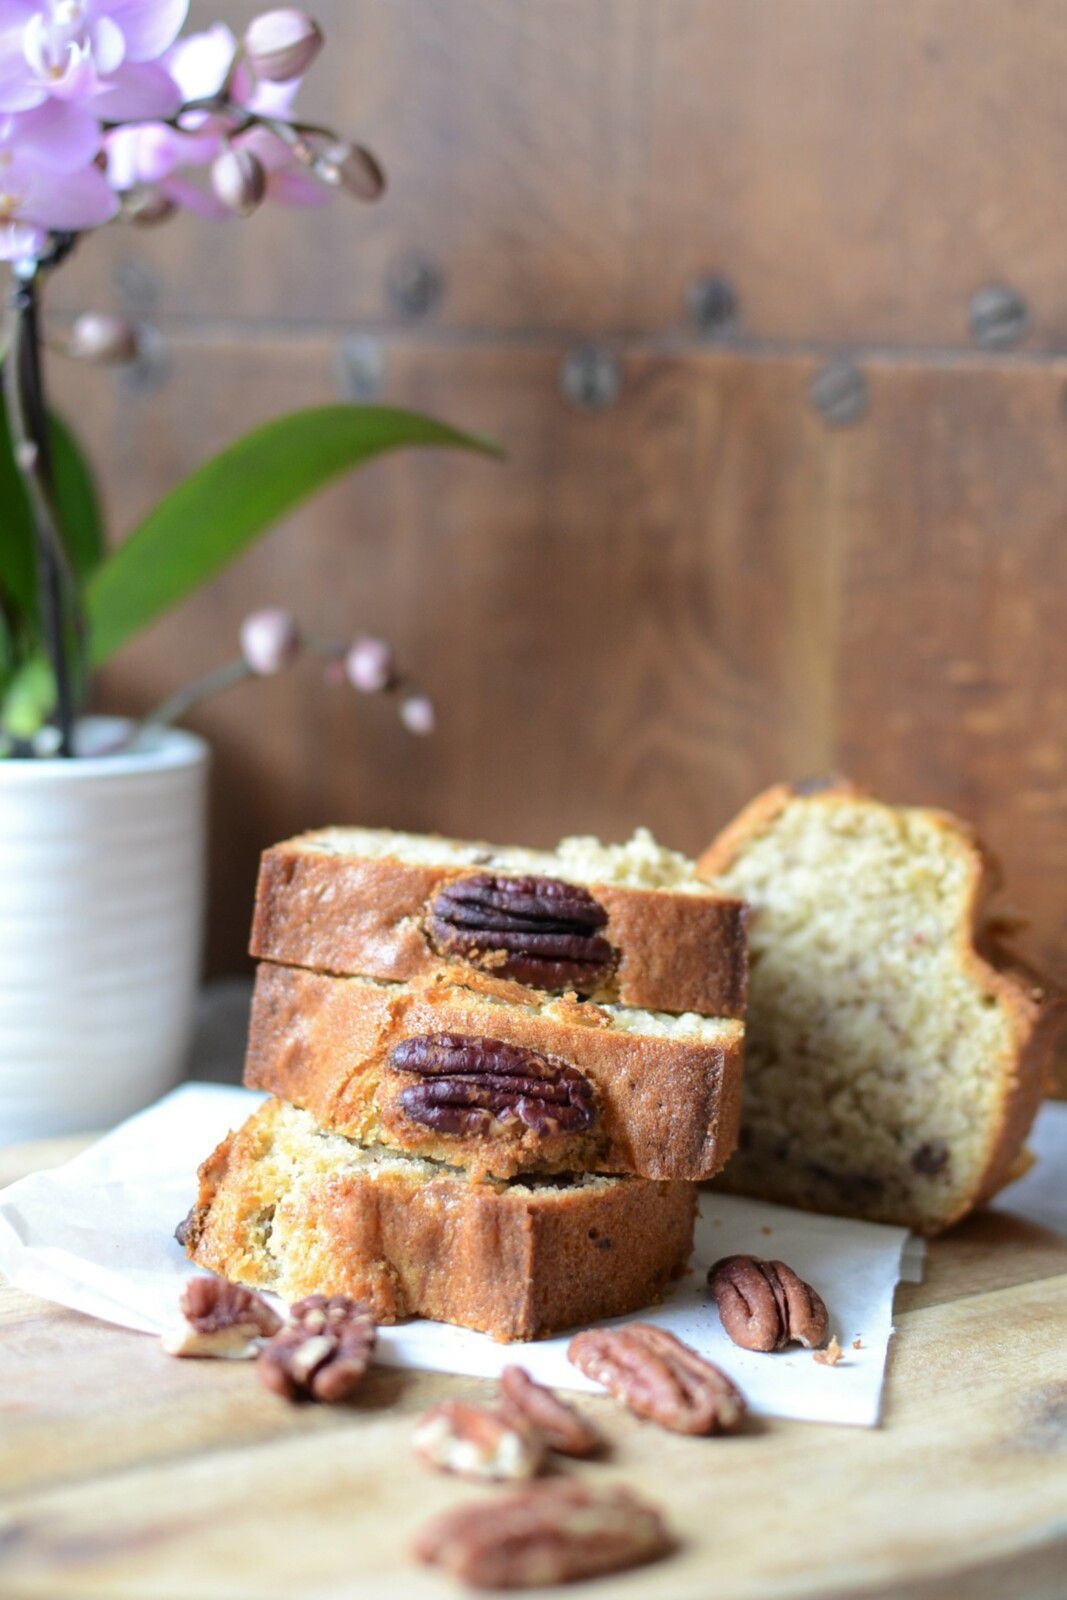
x=893 y=1068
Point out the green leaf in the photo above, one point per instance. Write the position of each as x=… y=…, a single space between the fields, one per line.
x=76 y=501
x=76 y=506
x=17 y=573
x=29 y=698
x=229 y=501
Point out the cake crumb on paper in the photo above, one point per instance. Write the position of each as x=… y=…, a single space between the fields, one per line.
x=857 y=1344
x=831 y=1355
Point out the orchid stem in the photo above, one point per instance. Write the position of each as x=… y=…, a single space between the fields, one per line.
x=175 y=706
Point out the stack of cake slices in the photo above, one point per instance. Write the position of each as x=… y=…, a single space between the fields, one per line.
x=496 y=1076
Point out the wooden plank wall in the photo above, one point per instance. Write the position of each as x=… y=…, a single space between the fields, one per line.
x=656 y=605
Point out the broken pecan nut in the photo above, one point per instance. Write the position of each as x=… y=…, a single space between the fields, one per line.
x=467 y=1084
x=536 y=930
x=659 y=1377
x=220 y=1319
x=545 y=1534
x=323 y=1351
x=563 y=1428
x=478 y=1442
x=764 y=1305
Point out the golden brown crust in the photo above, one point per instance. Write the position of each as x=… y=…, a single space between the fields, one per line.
x=516 y=1263
x=1035 y=1013
x=355 y=916
x=666 y=1107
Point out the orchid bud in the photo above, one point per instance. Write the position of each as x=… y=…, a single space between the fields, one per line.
x=369 y=665
x=417 y=714
x=146 y=206
x=270 y=640
x=107 y=340
x=354 y=169
x=282 y=44
x=239 y=180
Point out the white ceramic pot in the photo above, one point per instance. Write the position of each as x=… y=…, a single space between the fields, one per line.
x=102 y=862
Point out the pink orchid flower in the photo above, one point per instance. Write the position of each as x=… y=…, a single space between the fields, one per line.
x=56 y=134
x=165 y=157
x=35 y=198
x=103 y=51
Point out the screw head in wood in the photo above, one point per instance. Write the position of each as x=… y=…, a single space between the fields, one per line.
x=360 y=368
x=838 y=391
x=138 y=286
x=711 y=304
x=998 y=316
x=151 y=368
x=414 y=285
x=590 y=377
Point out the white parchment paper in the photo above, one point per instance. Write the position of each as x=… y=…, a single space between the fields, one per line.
x=97 y=1235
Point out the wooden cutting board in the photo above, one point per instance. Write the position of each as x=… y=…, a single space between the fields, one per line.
x=126 y=1473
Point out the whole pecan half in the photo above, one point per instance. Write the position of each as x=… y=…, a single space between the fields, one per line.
x=763 y=1305
x=563 y=1428
x=465 y=1084
x=220 y=1319
x=548 y=1533
x=322 y=1352
x=478 y=1442
x=535 y=930
x=659 y=1377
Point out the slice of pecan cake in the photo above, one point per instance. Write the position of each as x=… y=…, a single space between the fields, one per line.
x=498 y=1078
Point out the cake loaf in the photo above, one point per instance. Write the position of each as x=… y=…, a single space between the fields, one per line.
x=499 y=1078
x=286 y=1207
x=895 y=1055
x=630 y=924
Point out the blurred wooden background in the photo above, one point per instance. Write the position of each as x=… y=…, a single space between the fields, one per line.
x=804 y=505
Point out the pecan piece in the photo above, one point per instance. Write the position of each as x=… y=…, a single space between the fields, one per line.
x=764 y=1305
x=478 y=1442
x=563 y=1428
x=535 y=930
x=220 y=1319
x=545 y=1534
x=322 y=1352
x=466 y=1084
x=659 y=1377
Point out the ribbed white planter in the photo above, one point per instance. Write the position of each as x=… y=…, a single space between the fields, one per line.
x=101 y=907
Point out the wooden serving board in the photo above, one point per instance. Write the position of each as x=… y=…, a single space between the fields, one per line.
x=126 y=1473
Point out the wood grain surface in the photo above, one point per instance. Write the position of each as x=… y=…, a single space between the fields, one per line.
x=709 y=591
x=855 y=170
x=128 y=1475
x=652 y=608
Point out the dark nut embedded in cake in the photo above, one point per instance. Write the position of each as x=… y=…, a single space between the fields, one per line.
x=322 y=1352
x=220 y=1319
x=535 y=930
x=549 y=1533
x=659 y=1377
x=478 y=1442
x=764 y=1305
x=465 y=1084
x=563 y=1428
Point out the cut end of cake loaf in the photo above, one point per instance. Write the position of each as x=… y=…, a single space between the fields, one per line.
x=287 y=1207
x=892 y=1070
x=630 y=924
